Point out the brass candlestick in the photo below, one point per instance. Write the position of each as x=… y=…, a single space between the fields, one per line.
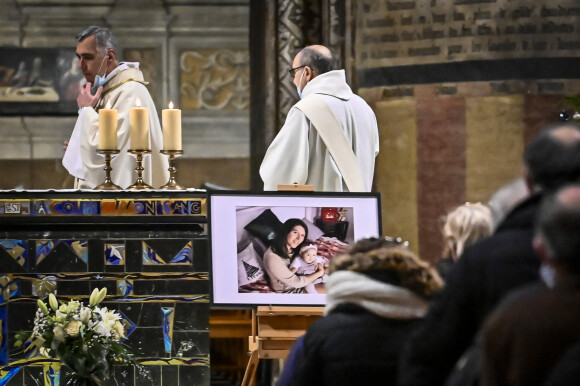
x=172 y=184
x=108 y=184
x=139 y=183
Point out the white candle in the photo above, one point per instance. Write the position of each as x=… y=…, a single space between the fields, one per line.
x=171 y=128
x=108 y=128
x=139 y=127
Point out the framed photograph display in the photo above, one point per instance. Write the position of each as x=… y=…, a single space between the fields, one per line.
x=246 y=227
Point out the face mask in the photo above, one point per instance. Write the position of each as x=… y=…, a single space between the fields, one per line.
x=99 y=80
x=548 y=275
x=298 y=87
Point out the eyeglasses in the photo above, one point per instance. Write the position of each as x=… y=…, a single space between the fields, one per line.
x=292 y=71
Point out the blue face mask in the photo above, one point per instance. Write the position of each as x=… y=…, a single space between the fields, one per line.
x=548 y=275
x=298 y=87
x=99 y=80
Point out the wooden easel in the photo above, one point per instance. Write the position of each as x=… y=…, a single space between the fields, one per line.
x=274 y=329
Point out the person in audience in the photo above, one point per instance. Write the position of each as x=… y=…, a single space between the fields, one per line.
x=523 y=339
x=286 y=246
x=489 y=269
x=376 y=293
x=463 y=226
x=307 y=262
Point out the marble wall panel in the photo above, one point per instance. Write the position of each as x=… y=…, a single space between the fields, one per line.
x=494 y=144
x=396 y=169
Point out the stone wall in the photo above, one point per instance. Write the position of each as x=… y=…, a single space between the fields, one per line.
x=459 y=87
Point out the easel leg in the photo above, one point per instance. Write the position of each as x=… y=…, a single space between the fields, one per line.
x=250 y=375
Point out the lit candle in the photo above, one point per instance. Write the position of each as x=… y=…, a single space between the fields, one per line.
x=139 y=127
x=171 y=128
x=108 y=128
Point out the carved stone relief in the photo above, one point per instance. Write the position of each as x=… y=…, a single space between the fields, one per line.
x=214 y=80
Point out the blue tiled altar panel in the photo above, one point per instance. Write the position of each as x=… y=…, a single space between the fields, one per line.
x=74 y=261
x=17 y=250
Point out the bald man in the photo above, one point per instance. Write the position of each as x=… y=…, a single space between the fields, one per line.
x=298 y=154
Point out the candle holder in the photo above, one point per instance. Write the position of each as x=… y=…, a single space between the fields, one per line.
x=139 y=183
x=172 y=184
x=108 y=184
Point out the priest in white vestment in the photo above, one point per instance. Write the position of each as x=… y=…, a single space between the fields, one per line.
x=120 y=84
x=298 y=154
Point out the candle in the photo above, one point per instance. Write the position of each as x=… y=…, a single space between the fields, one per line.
x=139 y=127
x=108 y=128
x=171 y=128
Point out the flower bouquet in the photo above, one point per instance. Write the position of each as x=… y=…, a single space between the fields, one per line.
x=85 y=339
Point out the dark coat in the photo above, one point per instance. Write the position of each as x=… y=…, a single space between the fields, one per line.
x=486 y=271
x=352 y=346
x=522 y=341
x=567 y=370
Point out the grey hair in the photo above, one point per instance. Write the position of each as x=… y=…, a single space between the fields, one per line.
x=318 y=61
x=103 y=36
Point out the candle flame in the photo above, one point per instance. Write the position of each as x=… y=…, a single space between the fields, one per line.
x=138 y=102
x=171 y=104
x=108 y=105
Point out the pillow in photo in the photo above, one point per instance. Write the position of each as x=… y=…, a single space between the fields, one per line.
x=250 y=267
x=314 y=232
x=259 y=247
x=264 y=226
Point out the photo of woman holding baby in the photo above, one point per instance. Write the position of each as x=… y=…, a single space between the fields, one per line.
x=285 y=246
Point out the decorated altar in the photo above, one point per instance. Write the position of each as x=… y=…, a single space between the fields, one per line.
x=149 y=249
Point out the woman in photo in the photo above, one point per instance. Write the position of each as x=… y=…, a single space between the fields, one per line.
x=285 y=246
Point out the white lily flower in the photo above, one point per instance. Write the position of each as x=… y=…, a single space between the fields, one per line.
x=94 y=296
x=85 y=315
x=42 y=306
x=102 y=295
x=53 y=302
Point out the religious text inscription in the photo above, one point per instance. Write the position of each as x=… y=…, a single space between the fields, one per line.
x=411 y=32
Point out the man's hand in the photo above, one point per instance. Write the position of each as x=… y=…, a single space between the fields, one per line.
x=65 y=145
x=86 y=99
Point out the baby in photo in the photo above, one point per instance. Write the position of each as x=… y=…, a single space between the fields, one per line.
x=306 y=263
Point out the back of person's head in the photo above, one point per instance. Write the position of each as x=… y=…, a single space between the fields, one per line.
x=558 y=227
x=103 y=36
x=464 y=225
x=388 y=260
x=279 y=244
x=552 y=157
x=319 y=58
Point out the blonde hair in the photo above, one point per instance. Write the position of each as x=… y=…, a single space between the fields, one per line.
x=374 y=254
x=464 y=225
